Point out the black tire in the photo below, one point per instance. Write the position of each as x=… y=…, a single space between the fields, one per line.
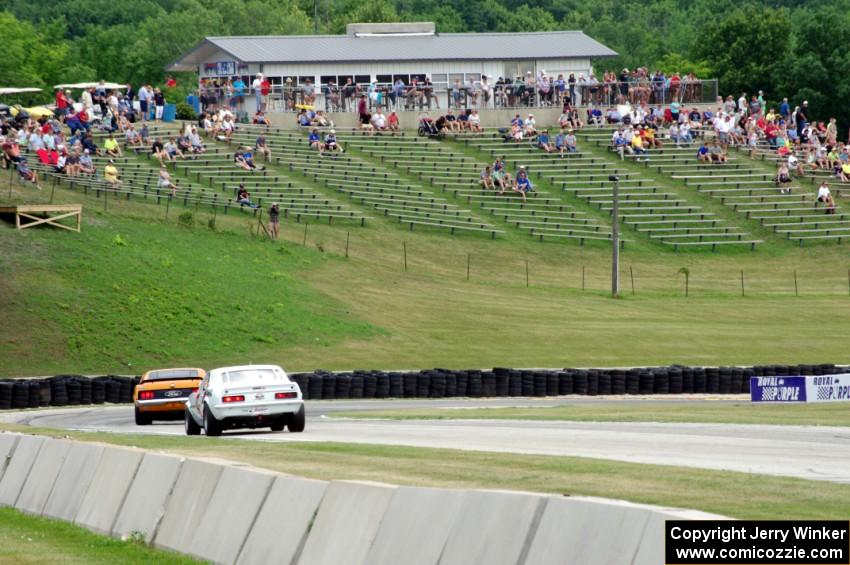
x=190 y=425
x=278 y=425
x=297 y=421
x=212 y=427
x=142 y=419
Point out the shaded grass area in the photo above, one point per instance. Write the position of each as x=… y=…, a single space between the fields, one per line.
x=708 y=412
x=712 y=491
x=26 y=539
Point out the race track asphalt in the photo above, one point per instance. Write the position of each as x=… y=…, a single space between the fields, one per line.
x=817 y=453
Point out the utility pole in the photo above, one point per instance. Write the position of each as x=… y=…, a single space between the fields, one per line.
x=615 y=237
x=316 y=17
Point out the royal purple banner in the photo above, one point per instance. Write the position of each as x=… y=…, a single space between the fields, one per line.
x=778 y=389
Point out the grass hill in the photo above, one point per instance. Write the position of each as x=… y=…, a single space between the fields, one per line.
x=137 y=290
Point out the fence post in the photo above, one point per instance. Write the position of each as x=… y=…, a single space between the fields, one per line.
x=796 y=291
x=468 y=261
x=347 y=238
x=742 y=282
x=526 y=273
x=304 y=243
x=632 y=275
x=404 y=251
x=582 y=277
x=167 y=207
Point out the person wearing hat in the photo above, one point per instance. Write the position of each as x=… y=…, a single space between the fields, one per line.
x=530 y=126
x=523 y=183
x=274 y=221
x=331 y=143
x=257 y=86
x=288 y=94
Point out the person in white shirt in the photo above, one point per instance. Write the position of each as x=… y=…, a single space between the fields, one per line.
x=825 y=197
x=794 y=165
x=379 y=121
x=530 y=124
x=474 y=121
x=258 y=93
x=486 y=90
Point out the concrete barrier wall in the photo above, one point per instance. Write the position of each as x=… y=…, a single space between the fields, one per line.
x=108 y=488
x=144 y=505
x=18 y=469
x=73 y=482
x=228 y=513
x=7 y=446
x=42 y=476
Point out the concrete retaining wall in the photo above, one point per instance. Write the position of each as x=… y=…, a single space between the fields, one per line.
x=229 y=513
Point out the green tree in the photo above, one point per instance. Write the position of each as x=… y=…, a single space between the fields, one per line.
x=745 y=48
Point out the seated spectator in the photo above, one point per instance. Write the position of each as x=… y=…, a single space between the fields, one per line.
x=379 y=121
x=499 y=175
x=26 y=173
x=164 y=181
x=244 y=159
x=543 y=142
x=795 y=165
x=197 y=145
x=560 y=143
x=183 y=144
x=825 y=196
x=88 y=143
x=594 y=117
x=442 y=124
x=523 y=183
x=261 y=147
x=516 y=134
x=61 y=165
x=842 y=172
x=392 y=122
x=261 y=119
x=86 y=165
x=613 y=116
x=319 y=118
x=486 y=179
x=225 y=129
x=244 y=199
x=110 y=174
x=571 y=142
x=172 y=150
x=474 y=121
x=620 y=143
x=637 y=145
x=314 y=140
x=782 y=177
x=463 y=119
x=132 y=137
x=717 y=153
x=451 y=121
x=331 y=143
x=530 y=126
x=143 y=133
x=650 y=139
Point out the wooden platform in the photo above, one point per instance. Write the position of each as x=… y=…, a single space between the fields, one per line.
x=51 y=214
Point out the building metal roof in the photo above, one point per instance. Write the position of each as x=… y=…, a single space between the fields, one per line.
x=376 y=48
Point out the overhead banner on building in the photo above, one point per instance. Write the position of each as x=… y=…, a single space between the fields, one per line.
x=828 y=388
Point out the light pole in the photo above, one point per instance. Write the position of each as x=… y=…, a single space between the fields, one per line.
x=615 y=237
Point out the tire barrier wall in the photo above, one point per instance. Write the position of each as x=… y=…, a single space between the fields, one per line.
x=72 y=390
x=235 y=514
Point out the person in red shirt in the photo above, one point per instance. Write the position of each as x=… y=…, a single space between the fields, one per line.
x=265 y=88
x=62 y=102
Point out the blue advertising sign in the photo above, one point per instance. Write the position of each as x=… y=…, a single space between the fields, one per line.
x=778 y=389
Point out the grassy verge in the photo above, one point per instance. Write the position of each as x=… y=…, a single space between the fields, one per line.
x=739 y=495
x=704 y=413
x=26 y=539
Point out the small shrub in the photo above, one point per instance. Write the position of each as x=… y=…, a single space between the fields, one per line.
x=185 y=112
x=118 y=240
x=186 y=219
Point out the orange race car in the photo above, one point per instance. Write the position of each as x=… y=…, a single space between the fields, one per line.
x=162 y=394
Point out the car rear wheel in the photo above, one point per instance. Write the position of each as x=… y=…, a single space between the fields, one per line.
x=212 y=427
x=297 y=421
x=192 y=427
x=278 y=425
x=142 y=419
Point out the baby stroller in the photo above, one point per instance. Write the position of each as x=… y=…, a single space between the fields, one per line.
x=428 y=129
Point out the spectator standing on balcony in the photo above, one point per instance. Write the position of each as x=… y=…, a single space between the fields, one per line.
x=486 y=91
x=397 y=94
x=349 y=91
x=559 y=85
x=472 y=92
x=363 y=112
x=428 y=90
x=256 y=86
x=238 y=93
x=265 y=90
x=308 y=93
x=571 y=82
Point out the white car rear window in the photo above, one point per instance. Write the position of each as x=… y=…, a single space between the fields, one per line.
x=252 y=375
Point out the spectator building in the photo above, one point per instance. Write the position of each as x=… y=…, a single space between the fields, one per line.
x=381 y=55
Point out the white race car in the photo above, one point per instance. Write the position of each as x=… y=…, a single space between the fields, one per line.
x=251 y=396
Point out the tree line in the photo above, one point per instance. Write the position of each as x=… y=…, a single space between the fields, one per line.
x=793 y=48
